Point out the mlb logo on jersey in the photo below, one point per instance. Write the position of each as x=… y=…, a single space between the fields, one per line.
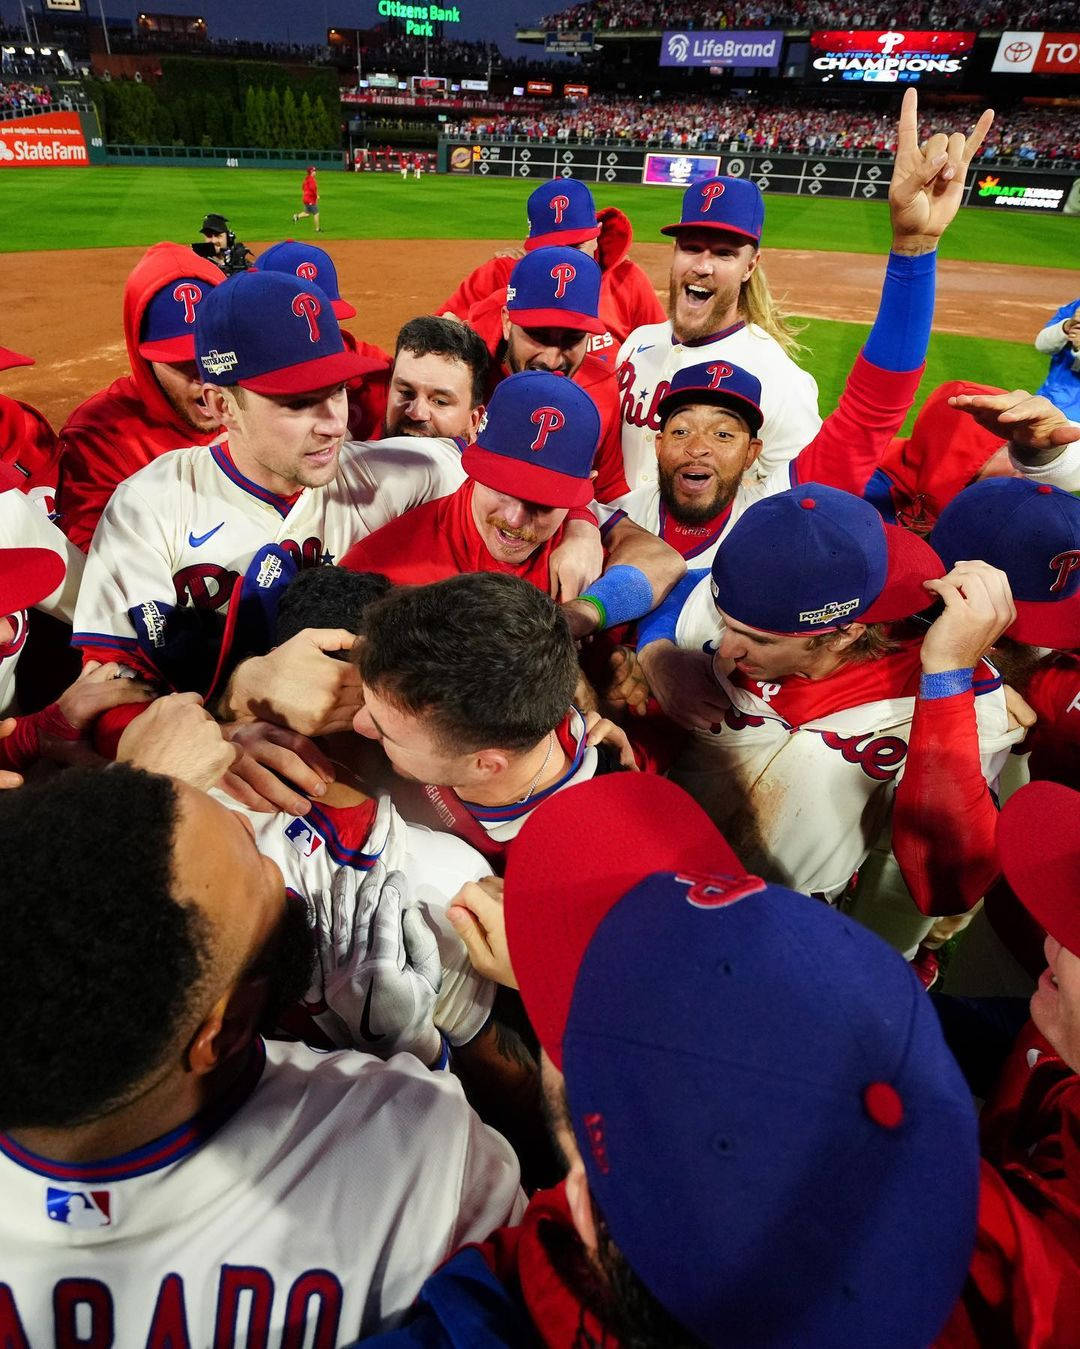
x=79 y=1208
x=303 y=838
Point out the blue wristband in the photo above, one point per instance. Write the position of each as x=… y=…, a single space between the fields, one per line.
x=660 y=625
x=621 y=594
x=901 y=331
x=945 y=684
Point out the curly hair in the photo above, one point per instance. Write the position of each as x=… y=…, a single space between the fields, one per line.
x=101 y=965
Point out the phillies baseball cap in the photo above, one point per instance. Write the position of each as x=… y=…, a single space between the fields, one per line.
x=752 y=1127
x=1031 y=531
x=814 y=558
x=732 y=204
x=555 y=288
x=167 y=332
x=271 y=333
x=10 y=359
x=310 y=264
x=561 y=212
x=27 y=576
x=728 y=386
x=537 y=440
x=1038 y=844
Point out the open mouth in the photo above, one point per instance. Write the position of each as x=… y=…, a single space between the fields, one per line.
x=694 y=480
x=511 y=541
x=697 y=295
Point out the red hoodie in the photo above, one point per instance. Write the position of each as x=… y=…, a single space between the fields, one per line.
x=627 y=297
x=597 y=379
x=129 y=424
x=28 y=445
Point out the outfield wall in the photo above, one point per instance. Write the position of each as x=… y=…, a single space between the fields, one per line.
x=862 y=178
x=62 y=135
x=221 y=157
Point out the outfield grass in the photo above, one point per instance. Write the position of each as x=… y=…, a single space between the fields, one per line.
x=100 y=208
x=831 y=347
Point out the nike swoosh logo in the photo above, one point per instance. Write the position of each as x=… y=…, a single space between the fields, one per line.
x=365 y=1019
x=646 y=348
x=197 y=540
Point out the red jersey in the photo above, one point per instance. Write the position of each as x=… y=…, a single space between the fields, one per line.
x=124 y=427
x=627 y=296
x=310 y=190
x=593 y=376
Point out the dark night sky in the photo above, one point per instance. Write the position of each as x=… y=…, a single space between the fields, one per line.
x=308 y=20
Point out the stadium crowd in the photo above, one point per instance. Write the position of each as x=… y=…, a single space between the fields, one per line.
x=18 y=96
x=660 y=15
x=761 y=123
x=480 y=821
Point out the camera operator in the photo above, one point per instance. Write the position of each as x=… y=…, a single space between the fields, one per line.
x=222 y=247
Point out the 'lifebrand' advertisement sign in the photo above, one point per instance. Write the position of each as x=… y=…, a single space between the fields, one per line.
x=721 y=48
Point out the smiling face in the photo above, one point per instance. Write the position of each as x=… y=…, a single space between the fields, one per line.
x=512 y=529
x=702 y=451
x=430 y=396
x=285 y=442
x=708 y=269
x=1055 y=1004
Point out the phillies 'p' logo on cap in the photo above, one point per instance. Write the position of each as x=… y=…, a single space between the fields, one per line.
x=717 y=373
x=1064 y=564
x=549 y=420
x=307 y=271
x=561 y=212
x=307 y=262
x=716 y=383
x=714 y=891
x=709 y=194
x=562 y=274
x=188 y=294
x=306 y=306
x=559 y=204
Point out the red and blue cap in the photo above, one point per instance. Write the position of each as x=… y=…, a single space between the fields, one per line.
x=537 y=441
x=272 y=333
x=718 y=382
x=734 y=205
x=561 y=212
x=1031 y=531
x=168 y=322
x=813 y=559
x=757 y=1085
x=309 y=263
x=1038 y=843
x=555 y=288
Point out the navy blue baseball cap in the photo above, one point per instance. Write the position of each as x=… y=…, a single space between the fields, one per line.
x=561 y=212
x=168 y=322
x=1031 y=531
x=555 y=288
x=728 y=386
x=309 y=263
x=271 y=333
x=814 y=558
x=734 y=205
x=537 y=441
x=752 y=1126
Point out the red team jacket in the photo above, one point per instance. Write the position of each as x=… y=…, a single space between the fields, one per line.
x=593 y=376
x=124 y=427
x=29 y=446
x=627 y=297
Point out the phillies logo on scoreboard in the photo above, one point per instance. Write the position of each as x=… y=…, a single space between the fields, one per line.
x=717 y=891
x=307 y=271
x=1064 y=564
x=189 y=295
x=306 y=306
x=559 y=205
x=562 y=274
x=549 y=420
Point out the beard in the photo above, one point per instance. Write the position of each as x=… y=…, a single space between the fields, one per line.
x=287 y=963
x=404 y=427
x=697 y=512
x=703 y=322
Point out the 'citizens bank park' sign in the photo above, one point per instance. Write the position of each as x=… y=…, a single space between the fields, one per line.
x=1038 y=54
x=889 y=57
x=48 y=140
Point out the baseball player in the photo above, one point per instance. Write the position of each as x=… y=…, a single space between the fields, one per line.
x=1060 y=340
x=542 y=321
x=367 y=392
x=802 y=695
x=562 y=213
x=468 y=686
x=170 y=1175
x=438 y=383
x=739 y=1082
x=531 y=464
x=159 y=407
x=719 y=303
x=310 y=193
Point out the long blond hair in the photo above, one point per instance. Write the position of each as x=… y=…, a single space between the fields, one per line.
x=756 y=305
